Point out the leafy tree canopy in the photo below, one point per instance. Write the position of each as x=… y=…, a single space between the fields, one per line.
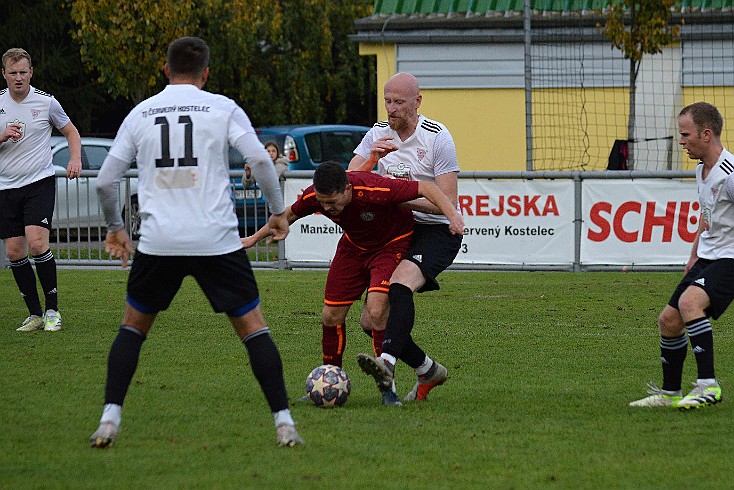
x=285 y=61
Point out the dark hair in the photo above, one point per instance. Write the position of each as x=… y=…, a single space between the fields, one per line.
x=272 y=143
x=704 y=116
x=187 y=56
x=330 y=177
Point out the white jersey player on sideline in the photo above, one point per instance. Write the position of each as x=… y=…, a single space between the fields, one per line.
x=28 y=185
x=179 y=139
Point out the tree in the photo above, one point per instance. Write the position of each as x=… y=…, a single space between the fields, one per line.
x=286 y=61
x=124 y=43
x=639 y=27
x=42 y=30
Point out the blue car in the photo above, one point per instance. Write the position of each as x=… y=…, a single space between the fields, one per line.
x=305 y=147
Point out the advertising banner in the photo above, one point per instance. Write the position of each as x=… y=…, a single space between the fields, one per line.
x=313 y=238
x=517 y=222
x=507 y=222
x=643 y=222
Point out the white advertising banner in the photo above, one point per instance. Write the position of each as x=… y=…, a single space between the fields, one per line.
x=313 y=238
x=644 y=222
x=507 y=222
x=517 y=222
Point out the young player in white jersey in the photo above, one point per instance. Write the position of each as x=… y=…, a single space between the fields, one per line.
x=28 y=185
x=179 y=139
x=410 y=146
x=707 y=287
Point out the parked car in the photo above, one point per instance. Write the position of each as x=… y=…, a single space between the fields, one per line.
x=77 y=206
x=306 y=146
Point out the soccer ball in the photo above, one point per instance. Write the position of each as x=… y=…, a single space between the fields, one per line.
x=328 y=386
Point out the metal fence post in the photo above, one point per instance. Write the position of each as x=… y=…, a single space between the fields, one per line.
x=4 y=262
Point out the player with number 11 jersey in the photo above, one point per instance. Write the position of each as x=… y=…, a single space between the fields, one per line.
x=176 y=132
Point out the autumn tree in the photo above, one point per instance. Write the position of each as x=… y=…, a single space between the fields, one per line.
x=285 y=61
x=123 y=44
x=639 y=27
x=42 y=30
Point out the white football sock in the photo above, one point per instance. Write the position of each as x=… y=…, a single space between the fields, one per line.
x=112 y=413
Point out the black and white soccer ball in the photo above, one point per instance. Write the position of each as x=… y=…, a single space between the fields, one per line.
x=328 y=386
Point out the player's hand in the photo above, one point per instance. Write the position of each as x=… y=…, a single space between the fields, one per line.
x=118 y=245
x=382 y=147
x=279 y=227
x=74 y=169
x=12 y=132
x=689 y=265
x=456 y=224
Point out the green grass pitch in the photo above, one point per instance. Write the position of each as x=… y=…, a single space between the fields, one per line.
x=542 y=366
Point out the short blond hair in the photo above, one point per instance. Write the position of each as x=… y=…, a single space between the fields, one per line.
x=13 y=55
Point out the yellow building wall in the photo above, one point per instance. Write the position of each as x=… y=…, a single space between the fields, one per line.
x=488 y=125
x=723 y=99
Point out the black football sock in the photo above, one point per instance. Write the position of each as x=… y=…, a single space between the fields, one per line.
x=702 y=341
x=122 y=363
x=46 y=270
x=268 y=368
x=412 y=355
x=399 y=321
x=25 y=278
x=673 y=352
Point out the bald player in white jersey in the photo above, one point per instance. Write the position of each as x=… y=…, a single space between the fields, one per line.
x=707 y=287
x=28 y=185
x=410 y=146
x=179 y=139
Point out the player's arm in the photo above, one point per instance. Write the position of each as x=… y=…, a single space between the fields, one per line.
x=438 y=198
x=449 y=184
x=117 y=242
x=266 y=230
x=74 y=168
x=694 y=247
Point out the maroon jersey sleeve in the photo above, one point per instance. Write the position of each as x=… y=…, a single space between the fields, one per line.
x=306 y=203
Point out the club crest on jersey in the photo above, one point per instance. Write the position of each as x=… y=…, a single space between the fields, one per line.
x=400 y=171
x=421 y=153
x=367 y=215
x=35 y=113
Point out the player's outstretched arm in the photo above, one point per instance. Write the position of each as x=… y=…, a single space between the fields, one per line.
x=433 y=193
x=276 y=228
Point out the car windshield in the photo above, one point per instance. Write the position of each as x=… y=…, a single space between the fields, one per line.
x=92 y=157
x=332 y=145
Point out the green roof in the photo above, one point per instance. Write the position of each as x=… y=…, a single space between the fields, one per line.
x=499 y=7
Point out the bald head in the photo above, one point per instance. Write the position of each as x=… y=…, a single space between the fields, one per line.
x=404 y=83
x=402 y=100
